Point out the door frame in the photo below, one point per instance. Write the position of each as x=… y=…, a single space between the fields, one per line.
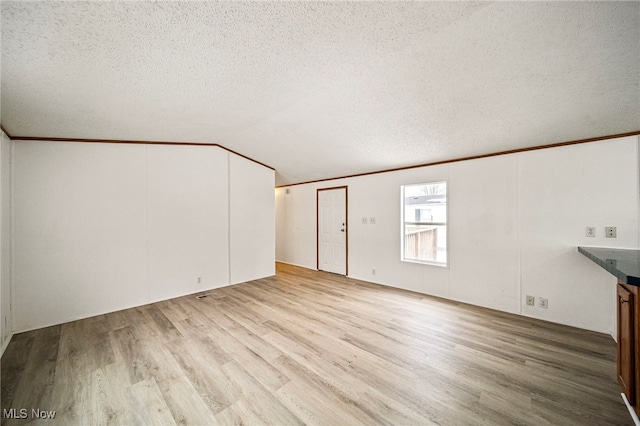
x=346 y=215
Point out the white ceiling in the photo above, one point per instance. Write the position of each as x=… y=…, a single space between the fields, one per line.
x=319 y=90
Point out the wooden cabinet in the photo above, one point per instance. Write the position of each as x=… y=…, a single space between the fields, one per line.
x=629 y=343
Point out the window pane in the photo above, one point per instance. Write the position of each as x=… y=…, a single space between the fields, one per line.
x=424 y=222
x=426 y=243
x=425 y=203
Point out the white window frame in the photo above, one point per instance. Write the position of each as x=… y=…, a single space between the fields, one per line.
x=403 y=223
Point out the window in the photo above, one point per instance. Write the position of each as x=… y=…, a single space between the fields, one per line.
x=424 y=223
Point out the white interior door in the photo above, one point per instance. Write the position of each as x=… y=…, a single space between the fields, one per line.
x=332 y=230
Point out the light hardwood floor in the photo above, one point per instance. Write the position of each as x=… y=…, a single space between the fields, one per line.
x=307 y=347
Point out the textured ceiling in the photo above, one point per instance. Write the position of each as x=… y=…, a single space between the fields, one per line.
x=318 y=90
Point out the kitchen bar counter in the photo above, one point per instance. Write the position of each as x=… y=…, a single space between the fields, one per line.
x=623 y=263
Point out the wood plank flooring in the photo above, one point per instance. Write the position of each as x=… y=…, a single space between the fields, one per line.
x=307 y=347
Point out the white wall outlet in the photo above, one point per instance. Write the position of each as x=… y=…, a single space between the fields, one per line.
x=531 y=301
x=591 y=231
x=372 y=220
x=364 y=220
x=373 y=272
x=199 y=280
x=544 y=303
x=610 y=232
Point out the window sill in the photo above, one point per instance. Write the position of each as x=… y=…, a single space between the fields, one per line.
x=425 y=262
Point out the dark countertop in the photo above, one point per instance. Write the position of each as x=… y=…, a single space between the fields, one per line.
x=623 y=263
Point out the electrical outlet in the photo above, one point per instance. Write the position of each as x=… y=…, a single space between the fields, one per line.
x=199 y=280
x=531 y=301
x=372 y=220
x=544 y=303
x=610 y=232
x=591 y=231
x=373 y=272
x=364 y=220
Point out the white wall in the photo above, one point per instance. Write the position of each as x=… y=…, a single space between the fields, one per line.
x=514 y=224
x=484 y=232
x=562 y=191
x=252 y=218
x=188 y=219
x=103 y=227
x=6 y=317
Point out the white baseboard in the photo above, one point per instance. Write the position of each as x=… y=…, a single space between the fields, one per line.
x=6 y=343
x=295 y=264
x=634 y=416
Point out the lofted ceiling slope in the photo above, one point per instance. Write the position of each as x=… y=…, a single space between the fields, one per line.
x=323 y=89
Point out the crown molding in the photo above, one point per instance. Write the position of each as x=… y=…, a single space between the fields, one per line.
x=474 y=157
x=133 y=142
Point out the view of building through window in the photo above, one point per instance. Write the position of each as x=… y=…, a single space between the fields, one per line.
x=424 y=223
